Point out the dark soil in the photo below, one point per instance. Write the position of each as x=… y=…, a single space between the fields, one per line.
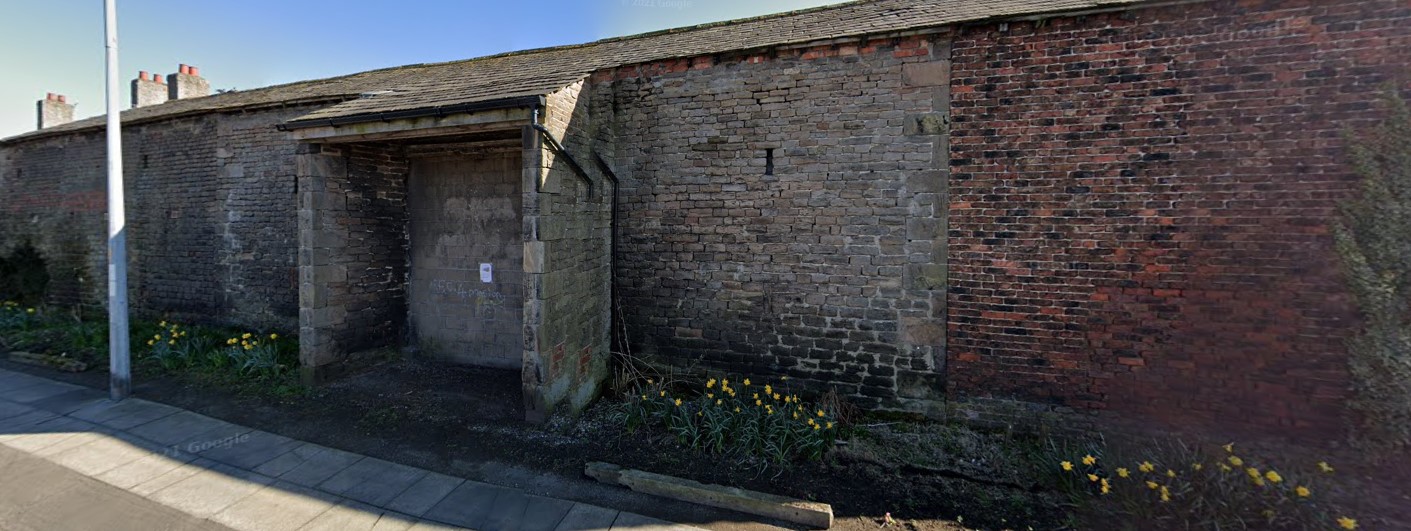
x=467 y=421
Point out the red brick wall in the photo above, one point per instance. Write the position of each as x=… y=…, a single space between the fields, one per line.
x=1139 y=209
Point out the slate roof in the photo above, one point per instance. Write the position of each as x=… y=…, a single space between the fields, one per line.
x=545 y=70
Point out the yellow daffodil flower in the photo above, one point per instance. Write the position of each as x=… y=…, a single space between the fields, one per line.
x=1347 y=523
x=1146 y=466
x=1123 y=472
x=1093 y=478
x=1170 y=473
x=1089 y=460
x=1323 y=465
x=747 y=382
x=1302 y=491
x=1067 y=467
x=1236 y=461
x=274 y=336
x=710 y=384
x=1273 y=476
x=1230 y=448
x=678 y=402
x=1153 y=485
x=246 y=335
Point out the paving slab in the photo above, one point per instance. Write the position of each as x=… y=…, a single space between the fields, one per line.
x=210 y=491
x=347 y=515
x=544 y=514
x=34 y=393
x=250 y=450
x=466 y=506
x=12 y=409
x=68 y=402
x=41 y=436
x=173 y=430
x=125 y=414
x=373 y=481
x=181 y=472
x=320 y=466
x=103 y=454
x=280 y=507
x=424 y=494
x=144 y=469
x=390 y=521
x=10 y=381
x=508 y=509
x=287 y=461
x=636 y=522
x=584 y=517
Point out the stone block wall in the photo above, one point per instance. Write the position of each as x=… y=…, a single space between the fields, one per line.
x=1124 y=214
x=781 y=215
x=209 y=200
x=1140 y=208
x=352 y=251
x=566 y=260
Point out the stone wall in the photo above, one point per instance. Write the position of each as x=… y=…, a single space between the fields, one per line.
x=352 y=251
x=566 y=260
x=780 y=215
x=209 y=201
x=465 y=211
x=1135 y=211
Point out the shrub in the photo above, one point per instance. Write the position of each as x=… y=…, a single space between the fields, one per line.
x=763 y=421
x=1372 y=241
x=15 y=317
x=1177 y=487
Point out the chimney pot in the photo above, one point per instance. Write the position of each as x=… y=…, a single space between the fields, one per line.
x=193 y=70
x=183 y=69
x=54 y=110
x=142 y=75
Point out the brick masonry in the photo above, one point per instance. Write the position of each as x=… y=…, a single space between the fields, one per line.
x=211 y=239
x=1135 y=207
x=1120 y=217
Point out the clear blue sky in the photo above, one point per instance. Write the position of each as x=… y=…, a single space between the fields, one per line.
x=57 y=45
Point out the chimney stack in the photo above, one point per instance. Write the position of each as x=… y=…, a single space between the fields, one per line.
x=54 y=110
x=187 y=83
x=148 y=90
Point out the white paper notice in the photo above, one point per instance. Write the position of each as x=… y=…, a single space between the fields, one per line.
x=485 y=273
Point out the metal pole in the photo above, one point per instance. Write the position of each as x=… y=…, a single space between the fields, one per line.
x=119 y=363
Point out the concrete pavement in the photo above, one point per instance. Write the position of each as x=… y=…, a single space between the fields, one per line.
x=213 y=471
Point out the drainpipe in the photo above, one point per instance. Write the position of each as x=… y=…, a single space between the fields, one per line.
x=612 y=223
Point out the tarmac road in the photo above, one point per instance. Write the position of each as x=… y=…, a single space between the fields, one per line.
x=36 y=495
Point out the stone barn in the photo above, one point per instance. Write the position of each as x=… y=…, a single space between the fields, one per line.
x=1116 y=211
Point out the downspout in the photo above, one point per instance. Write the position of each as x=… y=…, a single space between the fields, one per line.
x=558 y=148
x=612 y=222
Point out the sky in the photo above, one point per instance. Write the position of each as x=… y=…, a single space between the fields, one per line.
x=57 y=45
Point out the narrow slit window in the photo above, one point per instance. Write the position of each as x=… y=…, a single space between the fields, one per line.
x=769 y=161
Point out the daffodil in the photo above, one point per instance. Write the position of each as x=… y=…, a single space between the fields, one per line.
x=830 y=425
x=1347 y=523
x=678 y=402
x=1152 y=485
x=1197 y=466
x=1302 y=491
x=1253 y=472
x=1273 y=476
x=1170 y=473
x=710 y=395
x=1123 y=472
x=1230 y=448
x=150 y=342
x=158 y=336
x=710 y=384
x=274 y=336
x=1089 y=460
x=663 y=393
x=1323 y=465
x=737 y=409
x=1093 y=478
x=1067 y=467
x=1236 y=461
x=1146 y=466
x=246 y=335
x=747 y=382
x=1106 y=487
x=820 y=412
x=758 y=402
